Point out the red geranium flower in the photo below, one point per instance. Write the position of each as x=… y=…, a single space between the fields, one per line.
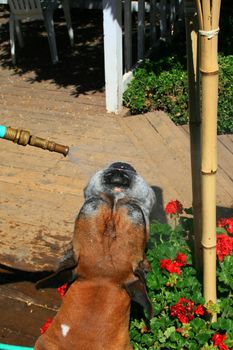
x=223 y=346
x=230 y=225
x=218 y=340
x=224 y=246
x=227 y=224
x=174 y=266
x=46 y=325
x=181 y=259
x=185 y=310
x=62 y=289
x=222 y=222
x=199 y=310
x=174 y=207
x=170 y=266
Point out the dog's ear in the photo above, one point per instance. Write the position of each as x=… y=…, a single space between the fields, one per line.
x=57 y=279
x=137 y=289
x=65 y=273
x=137 y=292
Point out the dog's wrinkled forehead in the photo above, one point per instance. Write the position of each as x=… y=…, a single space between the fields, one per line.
x=121 y=180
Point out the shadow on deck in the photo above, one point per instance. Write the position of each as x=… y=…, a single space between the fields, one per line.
x=80 y=70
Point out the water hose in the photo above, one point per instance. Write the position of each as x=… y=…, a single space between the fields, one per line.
x=23 y=138
x=13 y=347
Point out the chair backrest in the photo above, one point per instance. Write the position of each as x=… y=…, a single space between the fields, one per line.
x=25 y=7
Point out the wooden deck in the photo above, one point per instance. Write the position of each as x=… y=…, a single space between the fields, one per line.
x=42 y=192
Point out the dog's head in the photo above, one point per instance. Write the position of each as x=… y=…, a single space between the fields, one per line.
x=111 y=232
x=121 y=180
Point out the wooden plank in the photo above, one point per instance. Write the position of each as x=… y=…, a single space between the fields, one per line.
x=29 y=83
x=166 y=166
x=23 y=315
x=25 y=292
x=35 y=180
x=44 y=120
x=12 y=192
x=39 y=105
x=227 y=142
x=178 y=143
x=20 y=322
x=225 y=170
x=170 y=135
x=19 y=85
x=38 y=249
x=230 y=136
x=45 y=211
x=224 y=189
x=184 y=129
x=225 y=159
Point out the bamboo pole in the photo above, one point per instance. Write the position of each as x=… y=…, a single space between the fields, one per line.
x=209 y=12
x=192 y=43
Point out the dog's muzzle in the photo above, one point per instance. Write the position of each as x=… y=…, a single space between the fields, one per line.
x=119 y=175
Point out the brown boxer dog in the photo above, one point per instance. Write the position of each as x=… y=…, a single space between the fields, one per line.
x=107 y=258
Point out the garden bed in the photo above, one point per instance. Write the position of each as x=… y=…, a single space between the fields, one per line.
x=182 y=318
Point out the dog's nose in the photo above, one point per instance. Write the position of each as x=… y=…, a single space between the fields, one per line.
x=116 y=177
x=122 y=166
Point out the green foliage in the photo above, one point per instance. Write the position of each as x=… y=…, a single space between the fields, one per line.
x=165 y=289
x=225 y=102
x=225 y=274
x=162 y=85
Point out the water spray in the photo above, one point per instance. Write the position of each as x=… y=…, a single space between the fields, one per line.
x=24 y=138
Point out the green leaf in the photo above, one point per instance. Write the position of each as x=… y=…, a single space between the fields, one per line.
x=223 y=324
x=202 y=338
x=169 y=331
x=197 y=324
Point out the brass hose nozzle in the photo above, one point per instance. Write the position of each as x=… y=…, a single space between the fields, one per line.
x=23 y=137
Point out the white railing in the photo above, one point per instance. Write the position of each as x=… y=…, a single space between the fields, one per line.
x=142 y=25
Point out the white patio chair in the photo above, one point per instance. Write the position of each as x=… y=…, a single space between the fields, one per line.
x=29 y=10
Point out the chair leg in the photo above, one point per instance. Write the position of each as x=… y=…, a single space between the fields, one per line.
x=12 y=37
x=19 y=33
x=66 y=9
x=49 y=24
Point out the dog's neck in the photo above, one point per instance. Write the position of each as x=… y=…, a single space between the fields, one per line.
x=94 y=316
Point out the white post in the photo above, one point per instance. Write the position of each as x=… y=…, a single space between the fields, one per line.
x=141 y=29
x=113 y=54
x=128 y=35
